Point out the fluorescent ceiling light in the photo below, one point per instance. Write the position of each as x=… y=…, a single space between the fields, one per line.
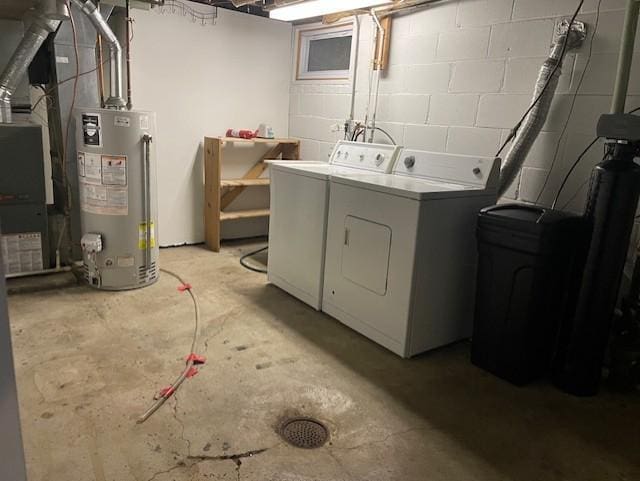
x=317 y=8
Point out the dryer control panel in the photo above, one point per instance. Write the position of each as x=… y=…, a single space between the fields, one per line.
x=358 y=155
x=469 y=170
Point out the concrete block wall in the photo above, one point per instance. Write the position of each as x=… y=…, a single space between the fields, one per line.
x=462 y=73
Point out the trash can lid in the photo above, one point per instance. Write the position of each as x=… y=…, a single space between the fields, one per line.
x=529 y=214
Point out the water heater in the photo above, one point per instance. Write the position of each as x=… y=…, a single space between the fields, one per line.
x=118 y=197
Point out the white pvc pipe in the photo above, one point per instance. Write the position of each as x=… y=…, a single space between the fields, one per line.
x=54 y=270
x=355 y=69
x=626 y=56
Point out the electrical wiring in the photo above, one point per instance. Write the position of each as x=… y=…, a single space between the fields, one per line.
x=42 y=97
x=43 y=121
x=65 y=139
x=575 y=164
x=535 y=102
x=176 y=6
x=47 y=92
x=190 y=362
x=75 y=88
x=566 y=177
x=573 y=103
x=564 y=206
x=387 y=134
x=244 y=264
x=357 y=133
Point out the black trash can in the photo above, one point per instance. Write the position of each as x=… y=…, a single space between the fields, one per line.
x=529 y=266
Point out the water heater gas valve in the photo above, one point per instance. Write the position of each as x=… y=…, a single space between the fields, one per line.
x=91 y=243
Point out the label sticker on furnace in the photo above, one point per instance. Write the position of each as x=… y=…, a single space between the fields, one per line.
x=22 y=252
x=114 y=170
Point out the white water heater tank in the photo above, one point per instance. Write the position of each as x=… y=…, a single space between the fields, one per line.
x=118 y=197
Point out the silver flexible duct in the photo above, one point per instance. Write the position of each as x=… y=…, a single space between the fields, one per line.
x=545 y=89
x=42 y=24
x=116 y=99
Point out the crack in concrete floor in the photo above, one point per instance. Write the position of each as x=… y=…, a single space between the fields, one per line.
x=195 y=460
x=236 y=458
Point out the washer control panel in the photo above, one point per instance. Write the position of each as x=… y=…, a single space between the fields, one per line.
x=359 y=155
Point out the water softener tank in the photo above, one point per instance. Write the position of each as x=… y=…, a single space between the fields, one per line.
x=118 y=197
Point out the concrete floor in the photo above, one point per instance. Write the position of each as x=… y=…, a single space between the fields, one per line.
x=89 y=362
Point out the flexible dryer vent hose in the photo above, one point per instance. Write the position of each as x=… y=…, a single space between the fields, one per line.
x=42 y=24
x=543 y=93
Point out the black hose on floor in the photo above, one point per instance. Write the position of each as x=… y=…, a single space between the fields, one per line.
x=244 y=264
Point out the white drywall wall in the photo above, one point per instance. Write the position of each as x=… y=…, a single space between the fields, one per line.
x=462 y=73
x=201 y=80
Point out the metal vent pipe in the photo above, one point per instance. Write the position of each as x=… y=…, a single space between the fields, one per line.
x=42 y=24
x=545 y=89
x=116 y=99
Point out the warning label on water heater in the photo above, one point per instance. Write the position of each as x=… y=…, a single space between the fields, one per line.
x=103 y=183
x=142 y=235
x=114 y=170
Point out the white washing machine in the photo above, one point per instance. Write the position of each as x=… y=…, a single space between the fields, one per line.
x=298 y=221
x=400 y=262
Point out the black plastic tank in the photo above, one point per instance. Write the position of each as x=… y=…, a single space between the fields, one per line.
x=610 y=211
x=528 y=274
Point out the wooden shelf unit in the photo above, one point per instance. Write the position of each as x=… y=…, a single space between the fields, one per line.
x=219 y=193
x=244 y=214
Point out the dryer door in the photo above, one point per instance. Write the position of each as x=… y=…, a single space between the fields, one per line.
x=365 y=254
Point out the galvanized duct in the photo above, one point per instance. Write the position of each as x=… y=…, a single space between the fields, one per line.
x=116 y=99
x=43 y=23
x=544 y=91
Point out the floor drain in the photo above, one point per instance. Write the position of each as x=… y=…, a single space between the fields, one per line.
x=304 y=433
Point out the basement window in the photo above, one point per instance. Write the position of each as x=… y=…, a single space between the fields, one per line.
x=325 y=53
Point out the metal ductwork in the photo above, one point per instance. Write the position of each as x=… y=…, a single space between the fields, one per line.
x=45 y=21
x=116 y=99
x=544 y=91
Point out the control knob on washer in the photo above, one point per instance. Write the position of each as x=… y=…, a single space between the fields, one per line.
x=379 y=159
x=409 y=161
